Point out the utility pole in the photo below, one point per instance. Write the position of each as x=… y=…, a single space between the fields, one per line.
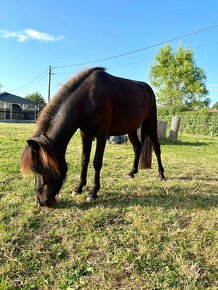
x=1 y=86
x=49 y=83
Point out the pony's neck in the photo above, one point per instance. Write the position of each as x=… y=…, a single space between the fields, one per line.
x=64 y=125
x=61 y=118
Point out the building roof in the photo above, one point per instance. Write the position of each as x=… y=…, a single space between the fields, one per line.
x=13 y=99
x=213 y=110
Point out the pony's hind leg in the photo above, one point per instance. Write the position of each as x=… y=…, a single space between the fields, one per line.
x=86 y=149
x=157 y=151
x=133 y=137
x=97 y=163
x=151 y=129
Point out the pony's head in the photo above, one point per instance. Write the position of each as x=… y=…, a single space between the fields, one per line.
x=49 y=167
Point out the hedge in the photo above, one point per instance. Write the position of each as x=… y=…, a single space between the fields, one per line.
x=202 y=123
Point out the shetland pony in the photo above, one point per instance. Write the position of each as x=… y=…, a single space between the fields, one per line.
x=100 y=105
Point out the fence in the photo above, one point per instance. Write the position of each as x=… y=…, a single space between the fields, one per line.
x=7 y=114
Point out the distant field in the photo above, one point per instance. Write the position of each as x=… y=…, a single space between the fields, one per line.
x=140 y=234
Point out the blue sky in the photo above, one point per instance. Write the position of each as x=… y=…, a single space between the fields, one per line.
x=36 y=34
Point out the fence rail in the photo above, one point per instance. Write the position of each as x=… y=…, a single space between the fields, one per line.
x=7 y=114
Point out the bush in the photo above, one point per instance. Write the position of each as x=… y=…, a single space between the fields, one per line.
x=197 y=122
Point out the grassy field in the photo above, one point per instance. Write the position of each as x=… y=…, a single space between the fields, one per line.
x=140 y=233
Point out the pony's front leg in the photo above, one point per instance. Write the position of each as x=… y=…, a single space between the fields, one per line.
x=97 y=163
x=86 y=149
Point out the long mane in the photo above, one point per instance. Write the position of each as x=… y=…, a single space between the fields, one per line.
x=26 y=162
x=46 y=156
x=45 y=149
x=51 y=109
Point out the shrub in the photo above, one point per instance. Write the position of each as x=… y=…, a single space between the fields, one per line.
x=195 y=122
x=199 y=123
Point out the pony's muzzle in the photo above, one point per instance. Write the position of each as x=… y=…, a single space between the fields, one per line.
x=46 y=202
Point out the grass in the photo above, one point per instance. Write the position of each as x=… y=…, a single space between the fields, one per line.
x=139 y=234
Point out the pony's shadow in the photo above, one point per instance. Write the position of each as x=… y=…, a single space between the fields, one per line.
x=167 y=201
x=191 y=178
x=184 y=143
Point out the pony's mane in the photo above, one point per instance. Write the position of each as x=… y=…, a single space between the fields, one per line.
x=26 y=162
x=51 y=109
x=46 y=156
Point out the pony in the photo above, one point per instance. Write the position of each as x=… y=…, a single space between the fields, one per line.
x=100 y=105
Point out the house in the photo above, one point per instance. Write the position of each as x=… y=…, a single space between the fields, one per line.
x=15 y=108
x=213 y=110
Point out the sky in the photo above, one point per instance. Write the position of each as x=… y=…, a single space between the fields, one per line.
x=122 y=35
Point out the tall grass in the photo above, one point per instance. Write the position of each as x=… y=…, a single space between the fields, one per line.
x=140 y=234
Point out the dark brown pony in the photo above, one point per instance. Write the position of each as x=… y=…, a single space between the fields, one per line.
x=100 y=105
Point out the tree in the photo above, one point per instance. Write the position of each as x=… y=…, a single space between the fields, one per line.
x=179 y=82
x=36 y=97
x=215 y=105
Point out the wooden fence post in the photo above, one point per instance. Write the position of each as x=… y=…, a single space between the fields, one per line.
x=174 y=128
x=161 y=129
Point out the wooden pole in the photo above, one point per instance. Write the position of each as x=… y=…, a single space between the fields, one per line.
x=161 y=129
x=211 y=133
x=1 y=86
x=49 y=83
x=174 y=128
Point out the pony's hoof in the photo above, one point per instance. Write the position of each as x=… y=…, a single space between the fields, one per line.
x=74 y=193
x=130 y=175
x=90 y=198
x=162 y=178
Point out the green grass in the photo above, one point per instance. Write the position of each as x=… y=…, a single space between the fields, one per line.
x=140 y=234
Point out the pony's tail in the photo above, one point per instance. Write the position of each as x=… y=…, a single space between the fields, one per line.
x=146 y=151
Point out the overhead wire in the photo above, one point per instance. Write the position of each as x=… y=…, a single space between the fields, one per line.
x=207 y=44
x=25 y=85
x=44 y=73
x=138 y=50
x=36 y=81
x=136 y=62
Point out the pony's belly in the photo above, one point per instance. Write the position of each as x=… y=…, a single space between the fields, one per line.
x=121 y=128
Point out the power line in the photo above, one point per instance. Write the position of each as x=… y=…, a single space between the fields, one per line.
x=36 y=81
x=204 y=45
x=137 y=62
x=138 y=50
x=42 y=74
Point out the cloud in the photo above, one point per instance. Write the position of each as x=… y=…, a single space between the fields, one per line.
x=29 y=34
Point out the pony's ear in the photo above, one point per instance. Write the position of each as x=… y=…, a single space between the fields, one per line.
x=34 y=145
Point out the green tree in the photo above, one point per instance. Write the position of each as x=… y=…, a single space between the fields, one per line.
x=180 y=83
x=36 y=97
x=215 y=105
